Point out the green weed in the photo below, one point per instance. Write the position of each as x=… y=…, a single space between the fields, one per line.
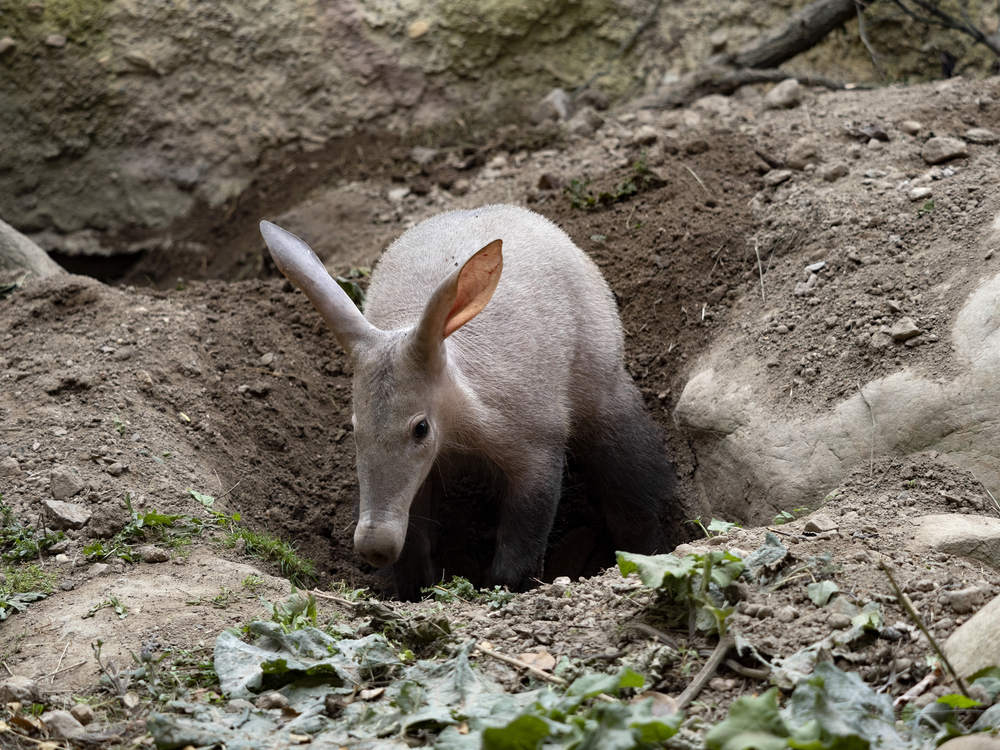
x=641 y=178
x=269 y=547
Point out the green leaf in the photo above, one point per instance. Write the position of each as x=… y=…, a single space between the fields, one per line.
x=524 y=733
x=821 y=592
x=752 y=723
x=870 y=617
x=721 y=527
x=206 y=500
x=956 y=700
x=655 y=570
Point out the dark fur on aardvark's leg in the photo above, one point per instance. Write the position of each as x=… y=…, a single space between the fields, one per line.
x=627 y=470
x=526 y=517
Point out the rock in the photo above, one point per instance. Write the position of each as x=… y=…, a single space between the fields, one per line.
x=115 y=469
x=980 y=741
x=585 y=122
x=423 y=155
x=64 y=516
x=55 y=40
x=719 y=40
x=838 y=621
x=820 y=522
x=784 y=95
x=965 y=600
x=548 y=182
x=418 y=29
x=397 y=194
x=592 y=98
x=787 y=614
x=66 y=585
x=713 y=104
x=21 y=690
x=904 y=329
x=107 y=520
x=272 y=700
x=920 y=193
x=7 y=45
x=555 y=106
x=715 y=296
x=695 y=146
x=152 y=554
x=82 y=713
x=968 y=536
x=833 y=172
x=976 y=644
x=910 y=127
x=804 y=151
x=777 y=176
x=99 y=569
x=981 y=136
x=62 y=724
x=645 y=135
x=9 y=467
x=939 y=149
x=64 y=483
x=460 y=187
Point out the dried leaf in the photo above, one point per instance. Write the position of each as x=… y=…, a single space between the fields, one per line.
x=539 y=660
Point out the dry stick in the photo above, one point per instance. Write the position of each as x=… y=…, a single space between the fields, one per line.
x=227 y=491
x=695 y=175
x=66 y=669
x=59 y=663
x=706 y=673
x=905 y=602
x=940 y=18
x=871 y=459
x=864 y=39
x=760 y=269
x=522 y=665
x=7 y=668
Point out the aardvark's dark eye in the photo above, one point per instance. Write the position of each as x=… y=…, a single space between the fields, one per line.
x=420 y=429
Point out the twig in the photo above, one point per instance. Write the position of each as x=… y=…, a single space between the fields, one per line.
x=66 y=669
x=227 y=491
x=59 y=663
x=522 y=665
x=659 y=635
x=695 y=175
x=905 y=602
x=7 y=668
x=871 y=458
x=864 y=39
x=760 y=269
x=702 y=678
x=754 y=674
x=920 y=688
x=337 y=599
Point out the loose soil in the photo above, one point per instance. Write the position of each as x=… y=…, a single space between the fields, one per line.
x=238 y=390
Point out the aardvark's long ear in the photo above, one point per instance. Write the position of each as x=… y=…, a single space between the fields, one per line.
x=299 y=263
x=460 y=297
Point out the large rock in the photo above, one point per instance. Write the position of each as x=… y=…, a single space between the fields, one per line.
x=62 y=724
x=64 y=483
x=64 y=516
x=18 y=253
x=969 y=536
x=19 y=689
x=743 y=451
x=976 y=644
x=937 y=150
x=784 y=95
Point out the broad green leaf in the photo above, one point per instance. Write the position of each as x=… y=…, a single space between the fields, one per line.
x=524 y=733
x=655 y=570
x=752 y=723
x=955 y=700
x=206 y=500
x=821 y=591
